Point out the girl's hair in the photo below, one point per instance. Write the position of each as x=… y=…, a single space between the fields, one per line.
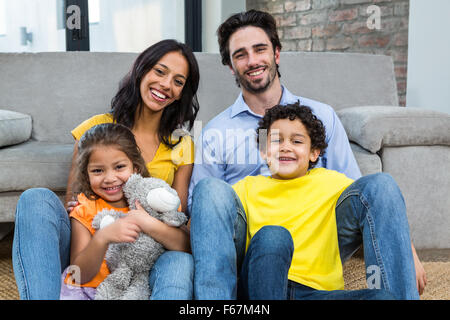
x=313 y=125
x=181 y=112
x=106 y=134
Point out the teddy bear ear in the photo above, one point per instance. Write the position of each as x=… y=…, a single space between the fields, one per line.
x=161 y=200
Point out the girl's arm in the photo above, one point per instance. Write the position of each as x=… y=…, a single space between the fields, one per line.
x=88 y=251
x=171 y=238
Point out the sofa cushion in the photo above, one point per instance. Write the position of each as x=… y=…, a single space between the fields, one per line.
x=368 y=162
x=15 y=127
x=375 y=127
x=35 y=164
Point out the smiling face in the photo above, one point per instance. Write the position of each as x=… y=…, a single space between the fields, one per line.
x=164 y=83
x=253 y=60
x=289 y=149
x=109 y=169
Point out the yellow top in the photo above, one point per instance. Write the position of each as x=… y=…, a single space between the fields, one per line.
x=306 y=207
x=165 y=162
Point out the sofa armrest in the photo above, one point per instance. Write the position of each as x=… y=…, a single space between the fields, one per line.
x=373 y=127
x=15 y=127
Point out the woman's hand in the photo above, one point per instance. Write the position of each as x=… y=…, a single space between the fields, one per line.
x=70 y=205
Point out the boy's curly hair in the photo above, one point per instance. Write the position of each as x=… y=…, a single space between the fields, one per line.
x=313 y=125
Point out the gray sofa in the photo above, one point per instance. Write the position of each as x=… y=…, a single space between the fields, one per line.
x=50 y=93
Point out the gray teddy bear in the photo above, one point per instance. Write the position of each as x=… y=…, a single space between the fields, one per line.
x=130 y=263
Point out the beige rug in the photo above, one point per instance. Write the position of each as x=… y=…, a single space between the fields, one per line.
x=8 y=288
x=438 y=278
x=438 y=275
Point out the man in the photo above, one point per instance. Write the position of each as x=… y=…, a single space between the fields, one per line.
x=227 y=152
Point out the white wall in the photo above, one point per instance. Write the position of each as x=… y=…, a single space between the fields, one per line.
x=429 y=55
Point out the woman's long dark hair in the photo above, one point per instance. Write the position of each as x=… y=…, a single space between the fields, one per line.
x=180 y=113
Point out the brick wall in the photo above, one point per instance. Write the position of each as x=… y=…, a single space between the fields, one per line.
x=344 y=26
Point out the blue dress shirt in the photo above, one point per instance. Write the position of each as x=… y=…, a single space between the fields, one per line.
x=227 y=147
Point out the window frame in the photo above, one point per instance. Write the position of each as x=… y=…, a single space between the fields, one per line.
x=77 y=39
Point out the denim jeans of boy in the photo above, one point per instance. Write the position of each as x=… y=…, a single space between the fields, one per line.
x=264 y=274
x=371 y=212
x=41 y=251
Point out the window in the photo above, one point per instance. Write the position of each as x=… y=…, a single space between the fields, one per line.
x=2 y=18
x=113 y=25
x=214 y=12
x=30 y=26
x=94 y=11
x=133 y=25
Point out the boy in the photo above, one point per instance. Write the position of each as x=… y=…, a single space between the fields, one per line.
x=292 y=243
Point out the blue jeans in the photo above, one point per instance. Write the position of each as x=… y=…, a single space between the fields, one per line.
x=264 y=274
x=41 y=251
x=172 y=277
x=371 y=212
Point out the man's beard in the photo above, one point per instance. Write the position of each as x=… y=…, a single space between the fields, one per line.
x=258 y=87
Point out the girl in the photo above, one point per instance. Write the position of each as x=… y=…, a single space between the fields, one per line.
x=107 y=157
x=154 y=99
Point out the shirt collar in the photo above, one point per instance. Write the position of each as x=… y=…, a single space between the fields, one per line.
x=240 y=105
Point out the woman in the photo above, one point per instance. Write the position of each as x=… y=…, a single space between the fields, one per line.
x=154 y=99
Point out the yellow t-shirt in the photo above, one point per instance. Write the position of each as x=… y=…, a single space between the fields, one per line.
x=306 y=207
x=165 y=162
x=85 y=213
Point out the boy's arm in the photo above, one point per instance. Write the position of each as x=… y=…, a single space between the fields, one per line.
x=421 y=276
